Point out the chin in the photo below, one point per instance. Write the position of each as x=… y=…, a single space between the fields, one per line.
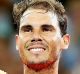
x=40 y=65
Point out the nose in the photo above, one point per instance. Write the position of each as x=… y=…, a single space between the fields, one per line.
x=35 y=40
x=36 y=37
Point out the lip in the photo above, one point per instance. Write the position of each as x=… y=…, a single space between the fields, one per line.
x=35 y=47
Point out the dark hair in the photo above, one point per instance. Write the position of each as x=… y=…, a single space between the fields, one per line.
x=48 y=5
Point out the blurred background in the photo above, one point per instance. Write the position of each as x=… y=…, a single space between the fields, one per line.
x=9 y=57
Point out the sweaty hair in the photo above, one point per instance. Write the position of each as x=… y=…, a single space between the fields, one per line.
x=48 y=5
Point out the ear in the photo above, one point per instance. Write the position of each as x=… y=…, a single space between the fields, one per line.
x=65 y=41
x=17 y=42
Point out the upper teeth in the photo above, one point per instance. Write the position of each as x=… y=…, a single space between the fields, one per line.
x=36 y=49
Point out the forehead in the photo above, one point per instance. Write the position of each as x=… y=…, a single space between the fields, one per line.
x=38 y=17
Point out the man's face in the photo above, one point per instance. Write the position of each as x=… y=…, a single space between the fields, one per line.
x=39 y=38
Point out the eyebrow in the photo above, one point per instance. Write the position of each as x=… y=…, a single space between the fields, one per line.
x=42 y=26
x=47 y=26
x=26 y=27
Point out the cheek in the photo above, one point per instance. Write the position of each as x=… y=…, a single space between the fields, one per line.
x=54 y=49
x=22 y=42
x=54 y=45
x=22 y=51
x=24 y=38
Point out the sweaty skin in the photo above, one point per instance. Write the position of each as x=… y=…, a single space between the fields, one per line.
x=40 y=42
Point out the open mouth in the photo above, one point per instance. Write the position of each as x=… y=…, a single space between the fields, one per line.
x=36 y=49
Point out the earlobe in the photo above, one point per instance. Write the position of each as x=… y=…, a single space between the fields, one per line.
x=17 y=42
x=16 y=47
x=65 y=41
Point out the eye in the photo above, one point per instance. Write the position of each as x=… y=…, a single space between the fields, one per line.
x=27 y=28
x=47 y=28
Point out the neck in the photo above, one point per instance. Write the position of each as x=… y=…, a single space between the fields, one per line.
x=52 y=70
